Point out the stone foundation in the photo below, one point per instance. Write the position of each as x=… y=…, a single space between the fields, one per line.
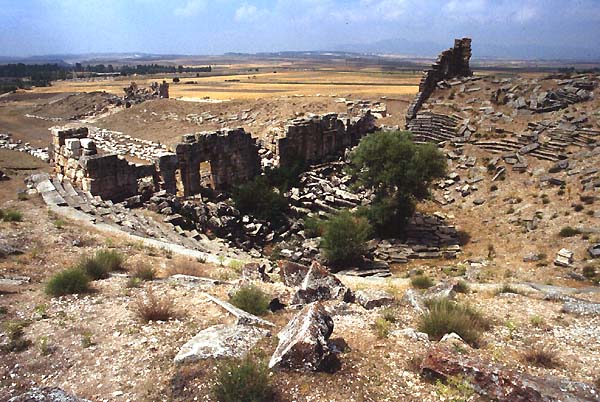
x=76 y=158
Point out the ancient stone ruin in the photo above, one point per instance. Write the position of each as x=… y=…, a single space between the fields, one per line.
x=218 y=160
x=135 y=94
x=314 y=138
x=108 y=176
x=451 y=63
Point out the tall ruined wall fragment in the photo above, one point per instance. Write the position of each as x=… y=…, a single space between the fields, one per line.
x=315 y=138
x=231 y=154
x=76 y=158
x=451 y=63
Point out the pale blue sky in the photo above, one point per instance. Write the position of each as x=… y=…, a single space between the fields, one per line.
x=35 y=27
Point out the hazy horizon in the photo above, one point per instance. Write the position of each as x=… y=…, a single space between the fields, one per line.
x=551 y=29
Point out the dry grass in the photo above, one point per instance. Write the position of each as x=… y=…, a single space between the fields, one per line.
x=264 y=84
x=185 y=266
x=541 y=356
x=153 y=308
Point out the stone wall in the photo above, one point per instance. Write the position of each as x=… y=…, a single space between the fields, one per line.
x=76 y=158
x=451 y=63
x=315 y=138
x=231 y=154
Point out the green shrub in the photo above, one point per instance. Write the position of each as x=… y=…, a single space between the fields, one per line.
x=111 y=260
x=589 y=271
x=144 y=272
x=93 y=268
x=15 y=335
x=445 y=316
x=259 y=199
x=314 y=227
x=461 y=287
x=69 y=281
x=569 y=231
x=243 y=381
x=11 y=215
x=345 y=239
x=421 y=282
x=252 y=300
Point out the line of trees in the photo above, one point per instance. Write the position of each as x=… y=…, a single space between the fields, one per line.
x=24 y=76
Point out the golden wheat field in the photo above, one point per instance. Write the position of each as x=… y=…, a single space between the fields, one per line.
x=261 y=85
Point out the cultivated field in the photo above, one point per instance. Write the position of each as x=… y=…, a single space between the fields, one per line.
x=254 y=85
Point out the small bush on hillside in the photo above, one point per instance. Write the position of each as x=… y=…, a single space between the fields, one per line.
x=345 y=239
x=541 y=356
x=461 y=287
x=445 y=317
x=69 y=281
x=421 y=282
x=259 y=199
x=111 y=260
x=252 y=300
x=144 y=272
x=93 y=268
x=314 y=227
x=153 y=308
x=589 y=271
x=15 y=335
x=10 y=215
x=569 y=231
x=243 y=381
x=185 y=266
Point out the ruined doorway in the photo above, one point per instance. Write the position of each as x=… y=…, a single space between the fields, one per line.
x=206 y=176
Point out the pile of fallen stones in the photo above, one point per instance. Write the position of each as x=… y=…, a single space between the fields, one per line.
x=122 y=144
x=209 y=219
x=325 y=189
x=6 y=142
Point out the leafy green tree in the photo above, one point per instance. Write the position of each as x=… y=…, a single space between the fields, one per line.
x=345 y=239
x=399 y=171
x=259 y=199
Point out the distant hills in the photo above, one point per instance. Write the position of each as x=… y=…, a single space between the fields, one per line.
x=402 y=48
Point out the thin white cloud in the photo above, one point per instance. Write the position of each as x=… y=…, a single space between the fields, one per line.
x=191 y=8
x=246 y=12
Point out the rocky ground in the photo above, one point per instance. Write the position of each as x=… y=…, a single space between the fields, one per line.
x=534 y=286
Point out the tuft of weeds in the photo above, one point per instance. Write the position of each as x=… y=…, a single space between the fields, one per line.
x=251 y=299
x=382 y=327
x=86 y=340
x=506 y=288
x=537 y=321
x=11 y=215
x=16 y=336
x=185 y=266
x=421 y=282
x=541 y=356
x=244 y=380
x=143 y=272
x=153 y=308
x=446 y=316
x=461 y=287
